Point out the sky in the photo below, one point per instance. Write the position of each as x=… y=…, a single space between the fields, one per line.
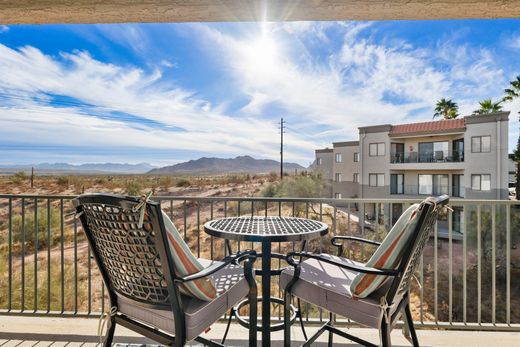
x=166 y=93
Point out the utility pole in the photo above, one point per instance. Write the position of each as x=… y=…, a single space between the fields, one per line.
x=282 y=127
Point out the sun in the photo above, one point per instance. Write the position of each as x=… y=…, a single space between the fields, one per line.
x=261 y=54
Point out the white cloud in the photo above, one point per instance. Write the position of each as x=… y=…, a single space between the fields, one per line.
x=514 y=42
x=353 y=80
x=28 y=73
x=364 y=82
x=4 y=29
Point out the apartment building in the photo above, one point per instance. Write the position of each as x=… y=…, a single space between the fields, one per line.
x=465 y=158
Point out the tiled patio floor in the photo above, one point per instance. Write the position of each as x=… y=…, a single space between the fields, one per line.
x=57 y=332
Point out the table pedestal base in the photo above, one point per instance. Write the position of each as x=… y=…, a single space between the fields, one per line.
x=244 y=321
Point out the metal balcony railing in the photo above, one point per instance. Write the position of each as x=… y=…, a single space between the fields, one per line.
x=471 y=282
x=415 y=189
x=427 y=157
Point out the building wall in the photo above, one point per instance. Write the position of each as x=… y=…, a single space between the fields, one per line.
x=325 y=168
x=347 y=167
x=374 y=165
x=494 y=162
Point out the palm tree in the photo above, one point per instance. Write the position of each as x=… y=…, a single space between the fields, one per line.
x=488 y=106
x=446 y=109
x=512 y=93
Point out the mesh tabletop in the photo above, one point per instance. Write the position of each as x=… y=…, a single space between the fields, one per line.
x=274 y=229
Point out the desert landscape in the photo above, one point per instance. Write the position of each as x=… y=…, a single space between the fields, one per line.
x=51 y=259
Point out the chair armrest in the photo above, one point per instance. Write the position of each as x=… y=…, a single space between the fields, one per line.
x=350 y=238
x=231 y=259
x=358 y=268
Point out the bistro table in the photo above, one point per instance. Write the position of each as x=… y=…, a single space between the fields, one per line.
x=266 y=230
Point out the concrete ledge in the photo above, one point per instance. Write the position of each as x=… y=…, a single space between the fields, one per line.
x=31 y=331
x=122 y=11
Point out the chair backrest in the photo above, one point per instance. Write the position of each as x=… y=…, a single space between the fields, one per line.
x=429 y=211
x=130 y=257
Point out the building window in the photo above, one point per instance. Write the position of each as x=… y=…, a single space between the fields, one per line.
x=355 y=178
x=433 y=184
x=458 y=186
x=396 y=184
x=376 y=180
x=318 y=161
x=376 y=149
x=338 y=177
x=356 y=157
x=481 y=144
x=430 y=152
x=339 y=158
x=337 y=195
x=481 y=182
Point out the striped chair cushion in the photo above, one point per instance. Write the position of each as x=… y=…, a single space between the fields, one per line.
x=388 y=254
x=186 y=263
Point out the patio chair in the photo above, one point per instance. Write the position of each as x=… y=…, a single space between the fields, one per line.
x=374 y=294
x=132 y=245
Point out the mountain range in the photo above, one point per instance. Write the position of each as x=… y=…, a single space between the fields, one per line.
x=85 y=168
x=240 y=164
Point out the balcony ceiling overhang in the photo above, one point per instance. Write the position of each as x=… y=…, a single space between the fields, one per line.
x=122 y=11
x=428 y=134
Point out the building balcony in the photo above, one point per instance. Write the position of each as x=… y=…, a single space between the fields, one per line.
x=437 y=160
x=427 y=157
x=50 y=285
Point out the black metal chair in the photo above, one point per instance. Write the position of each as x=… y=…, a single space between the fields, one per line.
x=134 y=259
x=324 y=280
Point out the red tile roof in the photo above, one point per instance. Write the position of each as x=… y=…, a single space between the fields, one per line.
x=444 y=125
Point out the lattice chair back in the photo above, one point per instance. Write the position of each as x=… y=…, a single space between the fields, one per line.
x=429 y=210
x=127 y=253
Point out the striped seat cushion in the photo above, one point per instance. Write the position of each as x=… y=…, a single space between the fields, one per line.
x=388 y=254
x=186 y=263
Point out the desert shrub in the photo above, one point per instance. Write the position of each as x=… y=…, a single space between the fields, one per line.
x=183 y=182
x=133 y=188
x=272 y=177
x=165 y=181
x=42 y=225
x=310 y=186
x=270 y=190
x=62 y=181
x=19 y=177
x=100 y=181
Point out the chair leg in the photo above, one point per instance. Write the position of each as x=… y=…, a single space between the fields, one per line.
x=331 y=334
x=110 y=334
x=301 y=319
x=385 y=334
x=253 y=319
x=409 y=322
x=286 y=318
x=231 y=313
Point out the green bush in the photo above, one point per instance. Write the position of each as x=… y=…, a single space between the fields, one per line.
x=100 y=181
x=63 y=181
x=270 y=190
x=183 y=182
x=310 y=186
x=133 y=188
x=42 y=231
x=19 y=177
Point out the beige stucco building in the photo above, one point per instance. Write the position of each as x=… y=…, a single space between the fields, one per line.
x=464 y=158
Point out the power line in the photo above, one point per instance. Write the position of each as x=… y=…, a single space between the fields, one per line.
x=282 y=128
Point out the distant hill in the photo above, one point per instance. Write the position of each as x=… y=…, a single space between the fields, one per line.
x=85 y=168
x=241 y=164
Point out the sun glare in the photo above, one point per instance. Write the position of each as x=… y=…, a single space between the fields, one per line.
x=261 y=54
